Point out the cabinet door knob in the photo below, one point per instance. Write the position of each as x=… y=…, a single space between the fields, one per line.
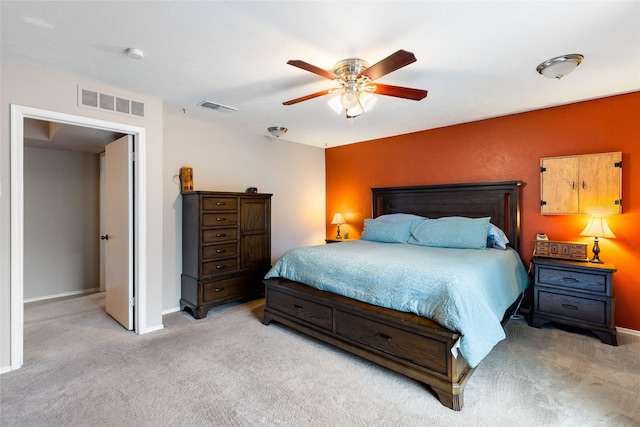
x=105 y=237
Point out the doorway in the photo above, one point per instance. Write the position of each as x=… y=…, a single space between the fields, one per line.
x=18 y=115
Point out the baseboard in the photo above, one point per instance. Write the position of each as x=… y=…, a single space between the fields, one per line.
x=65 y=294
x=627 y=331
x=171 y=310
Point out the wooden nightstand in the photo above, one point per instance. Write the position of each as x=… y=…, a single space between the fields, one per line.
x=578 y=294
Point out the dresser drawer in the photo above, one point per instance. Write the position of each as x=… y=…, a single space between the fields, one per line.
x=210 y=268
x=594 y=311
x=224 y=250
x=219 y=203
x=235 y=286
x=573 y=279
x=219 y=219
x=219 y=235
x=419 y=349
x=317 y=314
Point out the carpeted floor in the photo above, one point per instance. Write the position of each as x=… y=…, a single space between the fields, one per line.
x=81 y=368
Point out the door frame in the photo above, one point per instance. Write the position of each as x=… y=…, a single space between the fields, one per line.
x=18 y=114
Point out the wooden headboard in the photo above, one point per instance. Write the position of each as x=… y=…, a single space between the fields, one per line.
x=499 y=200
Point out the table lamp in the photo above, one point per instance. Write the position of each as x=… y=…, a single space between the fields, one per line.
x=338 y=220
x=597 y=227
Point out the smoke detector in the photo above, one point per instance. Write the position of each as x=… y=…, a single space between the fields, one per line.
x=134 y=53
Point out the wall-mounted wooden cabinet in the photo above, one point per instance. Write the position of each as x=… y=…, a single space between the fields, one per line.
x=586 y=184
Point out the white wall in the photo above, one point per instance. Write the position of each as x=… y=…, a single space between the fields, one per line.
x=33 y=87
x=224 y=160
x=61 y=222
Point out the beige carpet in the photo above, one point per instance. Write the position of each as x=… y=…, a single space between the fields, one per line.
x=82 y=369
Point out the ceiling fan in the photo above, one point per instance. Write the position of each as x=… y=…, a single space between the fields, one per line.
x=356 y=77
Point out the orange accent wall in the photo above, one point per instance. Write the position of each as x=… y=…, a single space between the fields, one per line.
x=503 y=149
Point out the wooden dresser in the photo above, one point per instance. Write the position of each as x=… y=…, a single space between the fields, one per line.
x=226 y=248
x=578 y=294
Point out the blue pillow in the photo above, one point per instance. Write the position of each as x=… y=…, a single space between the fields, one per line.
x=451 y=232
x=387 y=232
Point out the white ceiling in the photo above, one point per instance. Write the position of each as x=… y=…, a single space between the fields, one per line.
x=477 y=59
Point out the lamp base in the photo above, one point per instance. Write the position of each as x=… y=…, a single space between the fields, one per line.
x=338 y=236
x=596 y=251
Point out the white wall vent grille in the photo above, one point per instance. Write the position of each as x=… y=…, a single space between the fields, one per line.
x=108 y=102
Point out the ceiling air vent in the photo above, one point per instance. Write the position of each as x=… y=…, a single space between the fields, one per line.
x=109 y=102
x=216 y=106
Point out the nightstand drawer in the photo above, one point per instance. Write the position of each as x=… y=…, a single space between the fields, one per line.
x=572 y=279
x=593 y=311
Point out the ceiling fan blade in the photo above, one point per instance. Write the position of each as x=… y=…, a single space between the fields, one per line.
x=400 y=92
x=312 y=68
x=307 y=97
x=391 y=63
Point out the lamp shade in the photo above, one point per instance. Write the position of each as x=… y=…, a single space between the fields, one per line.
x=598 y=227
x=338 y=219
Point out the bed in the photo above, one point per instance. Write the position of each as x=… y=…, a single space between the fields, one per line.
x=405 y=342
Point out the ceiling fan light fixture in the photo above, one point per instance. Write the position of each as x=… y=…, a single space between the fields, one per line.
x=354 y=112
x=558 y=67
x=349 y=99
x=277 y=131
x=367 y=100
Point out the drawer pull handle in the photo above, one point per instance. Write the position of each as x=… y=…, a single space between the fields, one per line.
x=219 y=251
x=297 y=307
x=569 y=306
x=220 y=203
x=387 y=338
x=221 y=219
x=218 y=289
x=221 y=234
x=570 y=279
x=220 y=267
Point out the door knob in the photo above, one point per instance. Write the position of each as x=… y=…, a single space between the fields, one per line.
x=105 y=237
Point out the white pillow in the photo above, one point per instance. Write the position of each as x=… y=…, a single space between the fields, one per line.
x=496 y=237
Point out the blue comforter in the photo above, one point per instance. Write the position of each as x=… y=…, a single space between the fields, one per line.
x=465 y=290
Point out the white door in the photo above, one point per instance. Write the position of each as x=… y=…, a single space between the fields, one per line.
x=118 y=236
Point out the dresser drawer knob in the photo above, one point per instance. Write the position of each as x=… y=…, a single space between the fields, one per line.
x=218 y=289
x=570 y=279
x=297 y=307
x=221 y=234
x=221 y=219
x=569 y=306
x=219 y=251
x=387 y=338
x=220 y=267
x=220 y=203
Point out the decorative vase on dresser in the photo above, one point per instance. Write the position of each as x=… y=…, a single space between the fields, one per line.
x=226 y=248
